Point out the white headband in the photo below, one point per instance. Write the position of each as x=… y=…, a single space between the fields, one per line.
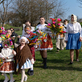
x=26 y=40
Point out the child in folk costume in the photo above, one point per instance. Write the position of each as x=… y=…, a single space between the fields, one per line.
x=73 y=37
x=27 y=35
x=23 y=54
x=46 y=43
x=7 y=54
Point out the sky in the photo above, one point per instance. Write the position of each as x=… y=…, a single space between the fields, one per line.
x=73 y=7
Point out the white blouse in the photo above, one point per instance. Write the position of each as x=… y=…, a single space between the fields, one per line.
x=73 y=28
x=41 y=27
x=7 y=53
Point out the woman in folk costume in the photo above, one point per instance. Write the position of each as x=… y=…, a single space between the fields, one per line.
x=7 y=54
x=46 y=43
x=73 y=37
x=23 y=54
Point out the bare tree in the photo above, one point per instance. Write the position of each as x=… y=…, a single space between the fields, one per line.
x=59 y=10
x=1 y=1
x=4 y=11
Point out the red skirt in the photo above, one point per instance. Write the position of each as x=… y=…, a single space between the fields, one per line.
x=46 y=45
x=33 y=52
x=7 y=67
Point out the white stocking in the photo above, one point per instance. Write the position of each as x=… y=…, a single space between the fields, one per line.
x=6 y=78
x=31 y=67
x=11 y=77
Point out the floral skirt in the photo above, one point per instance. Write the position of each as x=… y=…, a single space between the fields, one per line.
x=7 y=67
x=46 y=44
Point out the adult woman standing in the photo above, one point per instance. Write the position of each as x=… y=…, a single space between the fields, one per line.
x=46 y=43
x=73 y=37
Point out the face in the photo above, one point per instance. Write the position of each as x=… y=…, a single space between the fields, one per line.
x=42 y=20
x=72 y=18
x=28 y=23
x=9 y=32
x=22 y=42
x=65 y=22
x=12 y=30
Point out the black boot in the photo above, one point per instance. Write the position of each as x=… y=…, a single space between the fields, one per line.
x=44 y=62
x=28 y=72
x=31 y=72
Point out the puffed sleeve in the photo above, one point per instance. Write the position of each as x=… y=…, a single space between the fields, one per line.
x=66 y=34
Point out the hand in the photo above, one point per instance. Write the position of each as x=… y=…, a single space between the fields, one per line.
x=18 y=36
x=14 y=53
x=32 y=61
x=80 y=39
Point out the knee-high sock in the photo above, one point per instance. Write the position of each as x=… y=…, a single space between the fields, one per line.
x=31 y=67
x=5 y=76
x=11 y=76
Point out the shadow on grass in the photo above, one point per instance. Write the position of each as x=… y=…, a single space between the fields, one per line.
x=2 y=80
x=52 y=61
x=71 y=68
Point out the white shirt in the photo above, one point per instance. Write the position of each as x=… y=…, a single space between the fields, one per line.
x=41 y=27
x=73 y=28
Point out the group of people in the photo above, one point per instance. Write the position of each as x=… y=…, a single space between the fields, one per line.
x=24 y=54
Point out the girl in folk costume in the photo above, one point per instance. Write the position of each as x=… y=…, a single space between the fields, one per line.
x=23 y=54
x=73 y=37
x=32 y=49
x=46 y=43
x=7 y=54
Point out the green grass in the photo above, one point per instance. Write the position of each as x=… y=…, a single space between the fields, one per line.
x=58 y=69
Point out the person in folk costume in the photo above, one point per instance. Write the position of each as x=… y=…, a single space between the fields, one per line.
x=23 y=57
x=27 y=35
x=27 y=23
x=60 y=40
x=73 y=37
x=7 y=54
x=46 y=43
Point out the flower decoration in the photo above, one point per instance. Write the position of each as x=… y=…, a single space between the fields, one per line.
x=7 y=42
x=55 y=26
x=34 y=37
x=2 y=30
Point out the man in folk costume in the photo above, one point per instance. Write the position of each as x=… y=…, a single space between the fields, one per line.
x=46 y=43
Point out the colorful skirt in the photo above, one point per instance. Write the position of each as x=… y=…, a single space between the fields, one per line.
x=26 y=65
x=7 y=67
x=46 y=44
x=73 y=41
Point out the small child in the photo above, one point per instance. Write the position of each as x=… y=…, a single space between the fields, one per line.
x=7 y=54
x=27 y=35
x=22 y=57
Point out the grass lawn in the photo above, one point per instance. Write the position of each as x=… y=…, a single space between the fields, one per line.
x=58 y=69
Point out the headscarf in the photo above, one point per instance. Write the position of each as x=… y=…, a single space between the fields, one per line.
x=75 y=18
